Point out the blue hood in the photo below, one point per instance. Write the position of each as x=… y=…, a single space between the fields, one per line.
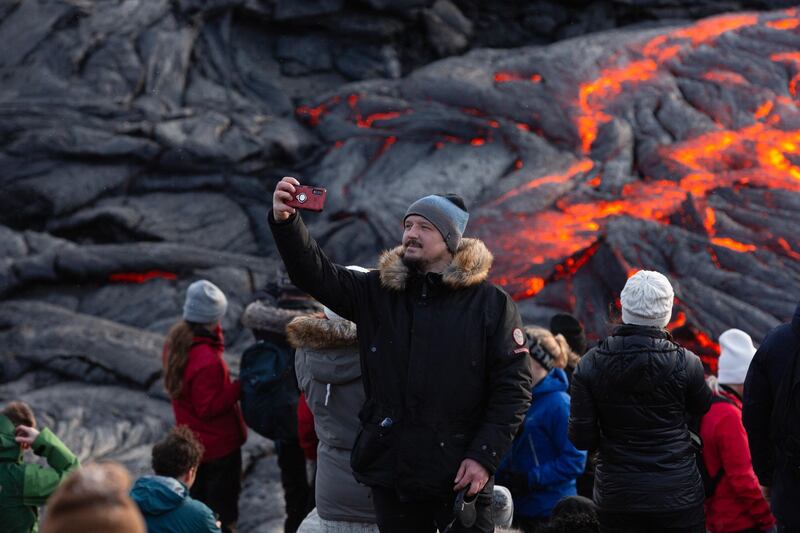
x=157 y=495
x=555 y=381
x=796 y=321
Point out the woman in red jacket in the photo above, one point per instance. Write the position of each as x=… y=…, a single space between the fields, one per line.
x=737 y=504
x=205 y=399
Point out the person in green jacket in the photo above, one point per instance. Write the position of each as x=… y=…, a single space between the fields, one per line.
x=24 y=487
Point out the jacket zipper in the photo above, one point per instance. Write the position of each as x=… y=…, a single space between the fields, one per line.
x=533 y=451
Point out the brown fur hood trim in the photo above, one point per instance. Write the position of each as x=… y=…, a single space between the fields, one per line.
x=573 y=359
x=320 y=333
x=470 y=266
x=265 y=317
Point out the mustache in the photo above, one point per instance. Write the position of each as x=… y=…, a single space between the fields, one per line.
x=412 y=243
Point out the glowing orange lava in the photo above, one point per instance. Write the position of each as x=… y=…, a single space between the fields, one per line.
x=141 y=277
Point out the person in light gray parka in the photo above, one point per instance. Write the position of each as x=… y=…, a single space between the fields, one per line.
x=329 y=374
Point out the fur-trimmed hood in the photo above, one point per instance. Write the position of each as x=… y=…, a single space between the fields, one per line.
x=265 y=317
x=470 y=266
x=320 y=333
x=327 y=350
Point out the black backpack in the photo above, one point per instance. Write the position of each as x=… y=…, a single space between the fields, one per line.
x=269 y=390
x=709 y=482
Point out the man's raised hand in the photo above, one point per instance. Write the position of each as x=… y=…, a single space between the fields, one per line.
x=284 y=192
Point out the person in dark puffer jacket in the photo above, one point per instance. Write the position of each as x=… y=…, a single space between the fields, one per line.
x=630 y=399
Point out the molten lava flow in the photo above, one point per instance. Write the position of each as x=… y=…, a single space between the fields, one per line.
x=577 y=168
x=595 y=96
x=140 y=277
x=505 y=77
x=764 y=156
x=677 y=322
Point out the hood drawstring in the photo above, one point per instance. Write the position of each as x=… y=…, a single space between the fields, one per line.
x=327 y=394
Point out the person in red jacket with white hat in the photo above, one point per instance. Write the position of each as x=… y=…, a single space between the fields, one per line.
x=737 y=504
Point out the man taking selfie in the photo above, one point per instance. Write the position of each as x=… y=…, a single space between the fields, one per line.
x=444 y=362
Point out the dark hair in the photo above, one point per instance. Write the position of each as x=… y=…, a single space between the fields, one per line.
x=179 y=452
x=179 y=341
x=20 y=414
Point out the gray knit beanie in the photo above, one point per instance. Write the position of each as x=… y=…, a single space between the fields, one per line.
x=448 y=213
x=205 y=303
x=647 y=299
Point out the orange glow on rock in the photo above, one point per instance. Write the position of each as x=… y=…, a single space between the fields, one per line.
x=724 y=77
x=579 y=167
x=505 y=77
x=788 y=249
x=711 y=28
x=370 y=119
x=733 y=245
x=532 y=287
x=141 y=277
x=784 y=24
x=678 y=321
x=710 y=220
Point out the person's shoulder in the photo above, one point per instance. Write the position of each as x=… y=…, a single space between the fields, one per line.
x=777 y=339
x=201 y=357
x=691 y=359
x=496 y=293
x=587 y=360
x=725 y=413
x=197 y=509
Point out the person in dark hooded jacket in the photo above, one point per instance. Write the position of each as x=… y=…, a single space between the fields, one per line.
x=268 y=317
x=771 y=416
x=164 y=498
x=630 y=399
x=443 y=356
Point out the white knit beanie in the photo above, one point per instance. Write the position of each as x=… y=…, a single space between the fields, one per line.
x=736 y=352
x=330 y=315
x=205 y=303
x=647 y=299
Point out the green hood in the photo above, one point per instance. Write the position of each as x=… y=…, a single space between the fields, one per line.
x=9 y=448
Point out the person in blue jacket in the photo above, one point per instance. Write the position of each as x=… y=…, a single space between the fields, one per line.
x=543 y=465
x=164 y=498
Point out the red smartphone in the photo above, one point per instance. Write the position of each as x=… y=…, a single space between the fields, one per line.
x=307 y=197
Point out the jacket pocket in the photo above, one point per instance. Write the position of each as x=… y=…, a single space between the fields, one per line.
x=450 y=449
x=373 y=448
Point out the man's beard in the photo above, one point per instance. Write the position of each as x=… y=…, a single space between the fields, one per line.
x=417 y=264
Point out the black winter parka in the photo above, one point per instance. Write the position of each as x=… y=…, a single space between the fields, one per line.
x=766 y=410
x=444 y=361
x=630 y=399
